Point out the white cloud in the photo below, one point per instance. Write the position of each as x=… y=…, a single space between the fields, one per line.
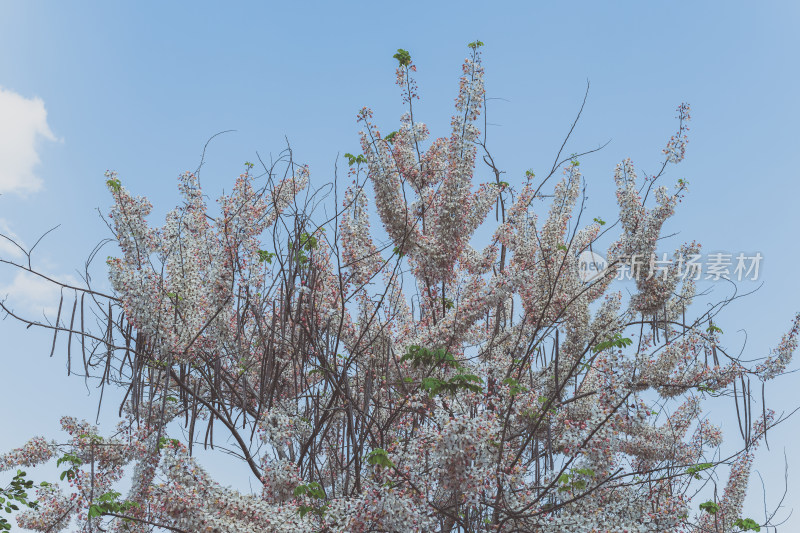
x=22 y=122
x=7 y=249
x=33 y=294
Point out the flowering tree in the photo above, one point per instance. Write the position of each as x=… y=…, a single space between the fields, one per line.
x=404 y=380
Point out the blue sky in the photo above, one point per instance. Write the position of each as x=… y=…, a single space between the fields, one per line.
x=140 y=87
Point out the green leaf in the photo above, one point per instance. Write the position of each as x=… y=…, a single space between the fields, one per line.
x=390 y=137
x=316 y=491
x=466 y=381
x=617 y=341
x=114 y=184
x=109 y=496
x=709 y=507
x=420 y=356
x=475 y=44
x=747 y=524
x=264 y=255
x=514 y=387
x=164 y=441
x=571 y=482
x=694 y=470
x=69 y=458
x=312 y=490
x=355 y=159
x=308 y=241
x=432 y=385
x=600 y=221
x=403 y=57
x=379 y=457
